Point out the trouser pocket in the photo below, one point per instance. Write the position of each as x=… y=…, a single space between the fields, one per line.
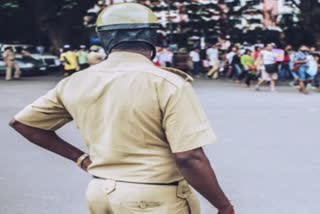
x=98 y=194
x=137 y=207
x=184 y=191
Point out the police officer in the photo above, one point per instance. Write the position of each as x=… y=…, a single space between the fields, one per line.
x=9 y=61
x=143 y=125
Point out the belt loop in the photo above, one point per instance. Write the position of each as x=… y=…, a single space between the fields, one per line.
x=183 y=190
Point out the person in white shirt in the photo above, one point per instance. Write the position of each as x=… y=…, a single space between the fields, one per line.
x=269 y=68
x=224 y=43
x=195 y=56
x=162 y=58
x=213 y=53
x=231 y=54
x=231 y=72
x=313 y=68
x=213 y=57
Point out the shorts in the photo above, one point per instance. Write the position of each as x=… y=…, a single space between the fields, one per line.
x=271 y=68
x=268 y=76
x=294 y=75
x=302 y=73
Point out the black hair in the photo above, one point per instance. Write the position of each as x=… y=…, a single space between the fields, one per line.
x=247 y=51
x=9 y=47
x=137 y=46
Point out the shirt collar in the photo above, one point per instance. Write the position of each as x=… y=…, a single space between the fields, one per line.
x=122 y=56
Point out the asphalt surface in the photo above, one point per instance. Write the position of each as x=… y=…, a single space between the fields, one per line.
x=266 y=158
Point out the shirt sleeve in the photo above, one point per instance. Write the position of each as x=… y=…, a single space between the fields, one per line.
x=184 y=121
x=47 y=112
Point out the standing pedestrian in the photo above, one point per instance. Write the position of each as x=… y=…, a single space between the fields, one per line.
x=161 y=56
x=213 y=57
x=82 y=57
x=293 y=69
x=9 y=61
x=224 y=43
x=69 y=60
x=285 y=71
x=237 y=67
x=269 y=70
x=182 y=60
x=248 y=64
x=195 y=56
x=94 y=57
x=313 y=67
x=257 y=52
x=148 y=144
x=168 y=56
x=301 y=67
x=231 y=72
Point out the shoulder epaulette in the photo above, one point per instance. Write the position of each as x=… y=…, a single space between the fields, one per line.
x=182 y=74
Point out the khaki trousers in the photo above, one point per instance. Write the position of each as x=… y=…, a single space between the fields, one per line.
x=10 y=66
x=113 y=197
x=214 y=71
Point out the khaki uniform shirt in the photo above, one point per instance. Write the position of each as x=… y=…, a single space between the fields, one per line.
x=8 y=56
x=131 y=114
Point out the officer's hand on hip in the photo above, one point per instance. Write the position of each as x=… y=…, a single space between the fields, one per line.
x=227 y=210
x=85 y=163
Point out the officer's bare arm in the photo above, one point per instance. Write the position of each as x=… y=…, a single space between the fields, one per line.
x=196 y=169
x=48 y=140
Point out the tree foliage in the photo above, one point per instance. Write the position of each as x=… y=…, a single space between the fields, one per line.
x=210 y=20
x=60 y=21
x=54 y=20
x=307 y=29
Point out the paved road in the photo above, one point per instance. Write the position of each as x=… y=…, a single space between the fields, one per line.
x=266 y=157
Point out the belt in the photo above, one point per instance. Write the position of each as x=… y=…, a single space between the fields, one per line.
x=130 y=182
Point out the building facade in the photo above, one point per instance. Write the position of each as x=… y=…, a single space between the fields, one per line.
x=208 y=17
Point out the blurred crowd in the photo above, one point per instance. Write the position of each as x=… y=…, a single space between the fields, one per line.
x=247 y=64
x=76 y=60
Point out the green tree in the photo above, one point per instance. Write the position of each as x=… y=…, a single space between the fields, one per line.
x=209 y=20
x=309 y=18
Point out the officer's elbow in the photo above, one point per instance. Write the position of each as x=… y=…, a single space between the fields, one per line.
x=190 y=158
x=13 y=123
x=16 y=124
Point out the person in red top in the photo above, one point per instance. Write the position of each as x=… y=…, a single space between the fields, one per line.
x=285 y=72
x=257 y=52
